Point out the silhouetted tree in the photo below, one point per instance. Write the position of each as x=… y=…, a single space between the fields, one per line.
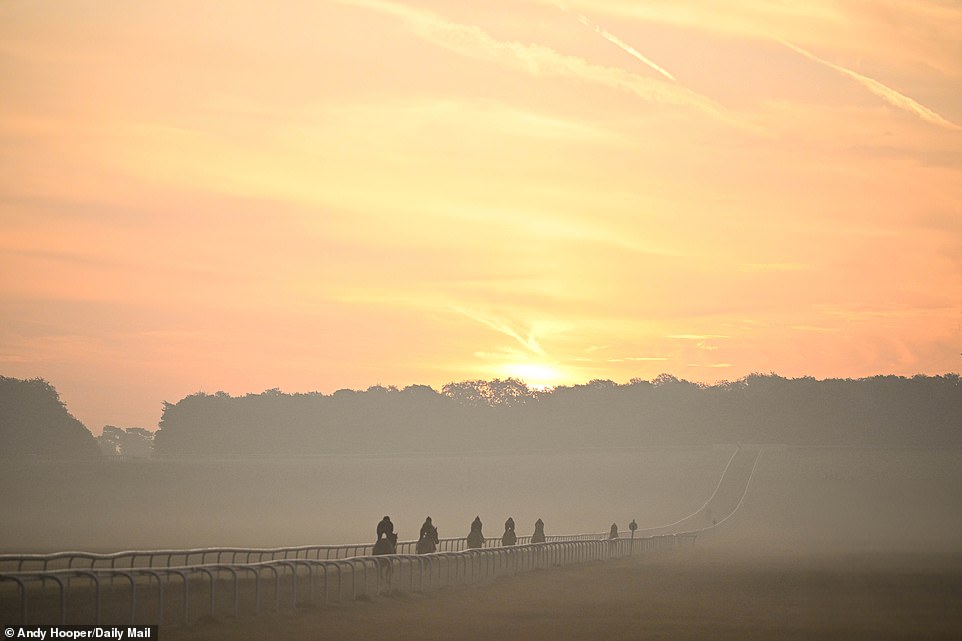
x=134 y=442
x=35 y=422
x=509 y=392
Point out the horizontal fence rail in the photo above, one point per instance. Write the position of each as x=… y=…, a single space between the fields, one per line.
x=167 y=594
x=137 y=559
x=171 y=586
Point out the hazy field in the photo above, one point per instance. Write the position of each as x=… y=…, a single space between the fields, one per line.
x=829 y=544
x=116 y=505
x=710 y=591
x=815 y=498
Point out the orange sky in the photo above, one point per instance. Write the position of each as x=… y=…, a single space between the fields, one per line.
x=314 y=195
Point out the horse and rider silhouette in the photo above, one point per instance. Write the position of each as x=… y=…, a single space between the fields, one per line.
x=428 y=538
x=613 y=534
x=475 y=538
x=538 y=536
x=509 y=538
x=386 y=537
x=386 y=542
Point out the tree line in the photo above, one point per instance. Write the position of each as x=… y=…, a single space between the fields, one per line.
x=499 y=415
x=886 y=411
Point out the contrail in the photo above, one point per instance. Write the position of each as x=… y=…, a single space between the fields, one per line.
x=884 y=92
x=539 y=60
x=618 y=42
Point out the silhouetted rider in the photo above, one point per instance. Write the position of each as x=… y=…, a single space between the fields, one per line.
x=538 y=536
x=385 y=528
x=427 y=538
x=509 y=537
x=475 y=538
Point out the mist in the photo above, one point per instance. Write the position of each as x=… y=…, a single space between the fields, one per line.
x=842 y=464
x=859 y=510
x=803 y=497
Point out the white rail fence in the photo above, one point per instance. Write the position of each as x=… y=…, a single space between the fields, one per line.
x=145 y=593
x=161 y=586
x=131 y=559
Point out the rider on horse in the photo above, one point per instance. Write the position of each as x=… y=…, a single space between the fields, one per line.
x=386 y=538
x=509 y=537
x=428 y=538
x=475 y=538
x=538 y=536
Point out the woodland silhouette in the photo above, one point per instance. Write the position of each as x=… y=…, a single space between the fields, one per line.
x=887 y=411
x=35 y=422
x=881 y=411
x=132 y=442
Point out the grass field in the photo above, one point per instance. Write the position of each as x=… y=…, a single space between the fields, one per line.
x=829 y=544
x=706 y=592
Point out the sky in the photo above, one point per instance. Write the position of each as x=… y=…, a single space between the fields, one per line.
x=312 y=196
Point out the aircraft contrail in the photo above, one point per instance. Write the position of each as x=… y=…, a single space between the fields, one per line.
x=884 y=92
x=618 y=42
x=539 y=60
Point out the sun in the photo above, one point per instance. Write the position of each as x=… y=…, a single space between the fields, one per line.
x=539 y=376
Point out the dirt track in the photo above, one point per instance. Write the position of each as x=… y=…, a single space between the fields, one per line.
x=693 y=593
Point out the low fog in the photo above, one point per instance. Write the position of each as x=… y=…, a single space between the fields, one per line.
x=869 y=463
x=802 y=497
x=845 y=526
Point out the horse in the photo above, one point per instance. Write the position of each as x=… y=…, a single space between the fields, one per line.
x=475 y=538
x=613 y=534
x=386 y=545
x=385 y=567
x=509 y=537
x=538 y=536
x=428 y=542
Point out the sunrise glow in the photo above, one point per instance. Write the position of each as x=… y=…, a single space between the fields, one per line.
x=312 y=196
x=537 y=376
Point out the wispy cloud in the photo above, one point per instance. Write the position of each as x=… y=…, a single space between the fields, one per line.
x=595 y=348
x=904 y=33
x=815 y=328
x=884 y=92
x=618 y=42
x=536 y=60
x=529 y=342
x=773 y=267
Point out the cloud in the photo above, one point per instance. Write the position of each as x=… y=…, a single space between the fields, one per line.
x=621 y=44
x=774 y=267
x=529 y=342
x=537 y=60
x=884 y=92
x=908 y=34
x=595 y=348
